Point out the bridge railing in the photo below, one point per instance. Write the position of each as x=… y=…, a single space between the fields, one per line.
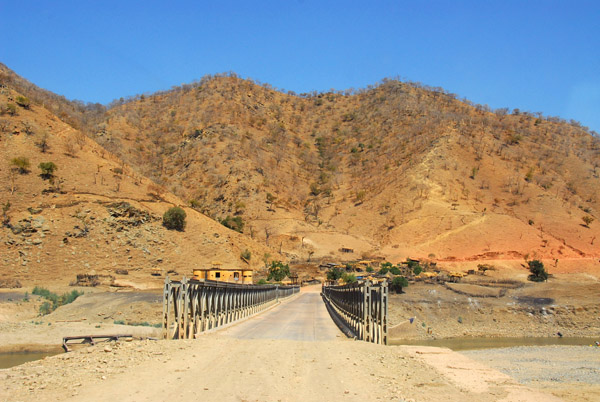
x=363 y=306
x=191 y=307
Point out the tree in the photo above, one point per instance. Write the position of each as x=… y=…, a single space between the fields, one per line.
x=334 y=274
x=174 y=219
x=47 y=169
x=417 y=269
x=538 y=272
x=21 y=163
x=277 y=271
x=398 y=283
x=587 y=220
x=43 y=144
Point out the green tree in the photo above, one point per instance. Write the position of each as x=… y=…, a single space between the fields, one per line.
x=48 y=169
x=349 y=278
x=334 y=274
x=398 y=283
x=21 y=163
x=174 y=219
x=538 y=272
x=417 y=269
x=277 y=271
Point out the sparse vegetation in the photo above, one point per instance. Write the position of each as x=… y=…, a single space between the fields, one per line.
x=587 y=220
x=349 y=278
x=21 y=163
x=23 y=101
x=48 y=169
x=246 y=255
x=235 y=223
x=174 y=219
x=54 y=301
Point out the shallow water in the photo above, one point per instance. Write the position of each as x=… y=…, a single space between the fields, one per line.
x=491 y=343
x=14 y=359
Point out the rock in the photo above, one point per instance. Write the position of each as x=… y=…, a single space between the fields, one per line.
x=107 y=349
x=37 y=241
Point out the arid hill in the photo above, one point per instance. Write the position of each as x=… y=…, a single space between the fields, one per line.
x=92 y=214
x=395 y=170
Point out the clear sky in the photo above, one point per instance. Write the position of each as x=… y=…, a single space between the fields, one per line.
x=535 y=55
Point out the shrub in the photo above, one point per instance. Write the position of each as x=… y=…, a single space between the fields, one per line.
x=234 y=223
x=349 y=278
x=587 y=220
x=417 y=269
x=246 y=255
x=398 y=283
x=369 y=268
x=538 y=272
x=395 y=270
x=262 y=282
x=47 y=169
x=24 y=102
x=54 y=301
x=21 y=163
x=277 y=271
x=11 y=109
x=174 y=219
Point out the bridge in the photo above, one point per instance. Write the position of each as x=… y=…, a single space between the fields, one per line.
x=191 y=307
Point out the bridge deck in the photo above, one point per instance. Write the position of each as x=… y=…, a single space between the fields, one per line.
x=304 y=318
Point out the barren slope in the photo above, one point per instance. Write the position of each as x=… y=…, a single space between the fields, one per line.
x=95 y=215
x=397 y=170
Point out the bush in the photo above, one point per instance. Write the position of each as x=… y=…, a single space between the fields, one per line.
x=54 y=301
x=538 y=272
x=21 y=163
x=417 y=270
x=23 y=102
x=349 y=278
x=246 y=255
x=277 y=271
x=235 y=223
x=398 y=283
x=587 y=220
x=262 y=282
x=174 y=219
x=47 y=169
x=11 y=109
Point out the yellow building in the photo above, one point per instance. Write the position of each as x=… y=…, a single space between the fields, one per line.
x=217 y=273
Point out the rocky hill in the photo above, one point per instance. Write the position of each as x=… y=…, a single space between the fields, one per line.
x=395 y=170
x=91 y=215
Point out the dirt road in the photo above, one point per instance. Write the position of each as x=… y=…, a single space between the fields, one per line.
x=304 y=318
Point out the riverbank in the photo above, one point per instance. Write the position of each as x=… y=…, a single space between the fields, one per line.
x=495 y=306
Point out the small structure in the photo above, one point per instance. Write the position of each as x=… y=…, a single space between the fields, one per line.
x=218 y=273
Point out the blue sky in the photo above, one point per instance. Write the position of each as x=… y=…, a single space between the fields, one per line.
x=533 y=55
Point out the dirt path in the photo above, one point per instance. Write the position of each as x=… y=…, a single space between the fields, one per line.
x=303 y=319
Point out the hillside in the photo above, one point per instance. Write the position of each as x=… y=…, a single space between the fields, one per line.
x=94 y=215
x=396 y=170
